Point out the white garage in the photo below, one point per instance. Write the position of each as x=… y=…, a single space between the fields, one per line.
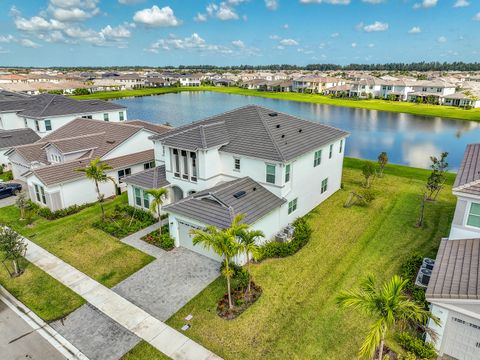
x=185 y=240
x=462 y=338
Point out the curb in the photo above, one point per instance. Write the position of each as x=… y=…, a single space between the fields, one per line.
x=41 y=327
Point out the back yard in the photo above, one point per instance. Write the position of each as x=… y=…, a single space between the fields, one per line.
x=297 y=317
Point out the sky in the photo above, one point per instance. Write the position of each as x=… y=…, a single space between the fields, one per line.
x=234 y=32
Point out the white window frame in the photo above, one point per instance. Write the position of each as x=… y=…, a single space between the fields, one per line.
x=120 y=177
x=341 y=146
x=121 y=116
x=237 y=164
x=106 y=117
x=267 y=174
x=330 y=153
x=317 y=158
x=324 y=185
x=40 y=194
x=288 y=173
x=469 y=214
x=292 y=206
x=49 y=125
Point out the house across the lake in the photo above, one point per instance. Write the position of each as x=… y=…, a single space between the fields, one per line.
x=270 y=166
x=454 y=287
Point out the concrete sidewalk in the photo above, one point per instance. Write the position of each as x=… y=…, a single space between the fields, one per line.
x=166 y=339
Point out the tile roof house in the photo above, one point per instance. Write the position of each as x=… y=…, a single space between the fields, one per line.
x=271 y=166
x=454 y=286
x=49 y=166
x=46 y=112
x=16 y=137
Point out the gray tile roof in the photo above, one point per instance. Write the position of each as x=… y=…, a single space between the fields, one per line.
x=217 y=206
x=46 y=105
x=10 y=138
x=468 y=175
x=254 y=131
x=149 y=179
x=10 y=95
x=456 y=274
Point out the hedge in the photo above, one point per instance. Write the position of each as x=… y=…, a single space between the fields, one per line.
x=417 y=346
x=53 y=215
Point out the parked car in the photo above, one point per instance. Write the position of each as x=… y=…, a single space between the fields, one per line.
x=10 y=189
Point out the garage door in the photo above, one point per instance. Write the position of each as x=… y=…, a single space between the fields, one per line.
x=463 y=338
x=186 y=241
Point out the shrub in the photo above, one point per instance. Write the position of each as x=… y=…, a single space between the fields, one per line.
x=7 y=176
x=125 y=220
x=417 y=346
x=165 y=241
x=240 y=276
x=53 y=215
x=407 y=356
x=409 y=270
x=301 y=236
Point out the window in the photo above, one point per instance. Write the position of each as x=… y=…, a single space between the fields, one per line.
x=105 y=117
x=142 y=199
x=317 y=158
x=324 y=185
x=37 y=125
x=149 y=165
x=474 y=215
x=138 y=196
x=48 y=125
x=146 y=200
x=287 y=173
x=176 y=163
x=25 y=122
x=40 y=194
x=424 y=89
x=123 y=173
x=270 y=174
x=439 y=89
x=193 y=156
x=341 y=146
x=87 y=117
x=185 y=164
x=330 y=152
x=292 y=206
x=236 y=164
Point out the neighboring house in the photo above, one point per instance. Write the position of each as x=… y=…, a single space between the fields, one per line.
x=315 y=84
x=189 y=80
x=49 y=166
x=15 y=137
x=271 y=166
x=454 y=286
x=46 y=112
x=462 y=100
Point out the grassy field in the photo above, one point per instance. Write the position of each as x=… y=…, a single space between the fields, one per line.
x=373 y=104
x=297 y=317
x=144 y=351
x=74 y=240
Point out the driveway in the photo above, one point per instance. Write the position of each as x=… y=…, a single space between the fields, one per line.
x=25 y=343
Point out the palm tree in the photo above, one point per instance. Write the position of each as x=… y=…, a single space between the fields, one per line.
x=249 y=246
x=388 y=306
x=224 y=243
x=96 y=172
x=159 y=196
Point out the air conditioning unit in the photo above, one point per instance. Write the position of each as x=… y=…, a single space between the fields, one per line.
x=281 y=237
x=289 y=230
x=423 y=277
x=428 y=263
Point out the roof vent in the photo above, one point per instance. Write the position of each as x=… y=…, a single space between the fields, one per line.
x=254 y=189
x=239 y=194
x=273 y=114
x=300 y=130
x=278 y=126
x=110 y=141
x=283 y=135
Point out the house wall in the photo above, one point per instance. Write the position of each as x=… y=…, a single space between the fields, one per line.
x=10 y=120
x=136 y=143
x=19 y=166
x=459 y=228
x=131 y=197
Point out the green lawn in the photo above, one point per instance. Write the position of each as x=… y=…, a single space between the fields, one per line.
x=373 y=104
x=74 y=240
x=144 y=351
x=297 y=317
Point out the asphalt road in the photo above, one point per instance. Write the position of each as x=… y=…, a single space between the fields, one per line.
x=29 y=347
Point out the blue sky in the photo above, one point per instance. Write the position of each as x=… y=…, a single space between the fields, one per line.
x=233 y=32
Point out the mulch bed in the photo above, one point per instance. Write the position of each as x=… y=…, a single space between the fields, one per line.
x=241 y=302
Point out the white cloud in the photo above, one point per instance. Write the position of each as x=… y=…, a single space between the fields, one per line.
x=425 y=4
x=130 y=2
x=461 y=3
x=29 y=43
x=415 y=30
x=271 y=4
x=477 y=17
x=371 y=45
x=332 y=2
x=73 y=10
x=200 y=17
x=156 y=17
x=288 y=42
x=38 y=23
x=373 y=1
x=71 y=15
x=274 y=37
x=375 y=27
x=442 y=39
x=285 y=26
x=6 y=39
x=334 y=35
x=238 y=43
x=354 y=45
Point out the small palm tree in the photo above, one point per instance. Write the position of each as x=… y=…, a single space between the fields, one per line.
x=96 y=172
x=388 y=306
x=159 y=196
x=248 y=243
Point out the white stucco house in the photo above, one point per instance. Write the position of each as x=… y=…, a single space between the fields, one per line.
x=454 y=286
x=50 y=165
x=45 y=113
x=270 y=166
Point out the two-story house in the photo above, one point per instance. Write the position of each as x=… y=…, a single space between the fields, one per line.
x=45 y=113
x=50 y=165
x=454 y=286
x=315 y=84
x=270 y=166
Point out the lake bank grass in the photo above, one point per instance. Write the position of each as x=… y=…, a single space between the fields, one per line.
x=373 y=104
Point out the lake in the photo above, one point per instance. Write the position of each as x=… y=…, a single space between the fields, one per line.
x=408 y=139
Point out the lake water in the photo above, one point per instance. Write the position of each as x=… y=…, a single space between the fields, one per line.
x=408 y=139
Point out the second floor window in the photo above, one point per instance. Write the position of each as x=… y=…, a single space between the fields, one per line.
x=236 y=164
x=37 y=125
x=287 y=173
x=105 y=117
x=121 y=116
x=341 y=146
x=149 y=165
x=317 y=159
x=48 y=125
x=124 y=172
x=270 y=178
x=330 y=152
x=474 y=215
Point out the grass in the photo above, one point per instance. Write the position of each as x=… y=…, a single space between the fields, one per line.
x=297 y=317
x=144 y=351
x=74 y=240
x=47 y=297
x=373 y=104
x=6 y=175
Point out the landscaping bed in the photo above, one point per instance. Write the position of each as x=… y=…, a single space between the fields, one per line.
x=242 y=300
x=163 y=240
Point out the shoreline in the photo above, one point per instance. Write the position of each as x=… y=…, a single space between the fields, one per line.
x=373 y=104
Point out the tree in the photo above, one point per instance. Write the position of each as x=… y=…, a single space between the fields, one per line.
x=421 y=217
x=159 y=196
x=96 y=172
x=388 y=306
x=22 y=203
x=437 y=178
x=382 y=162
x=14 y=248
x=248 y=243
x=224 y=243
x=368 y=171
